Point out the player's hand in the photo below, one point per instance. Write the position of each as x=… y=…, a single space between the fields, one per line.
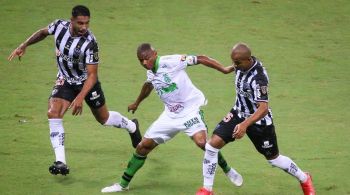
x=132 y=107
x=19 y=51
x=239 y=131
x=229 y=69
x=77 y=106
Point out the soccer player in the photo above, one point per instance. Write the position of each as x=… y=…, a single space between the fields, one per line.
x=77 y=63
x=182 y=101
x=250 y=115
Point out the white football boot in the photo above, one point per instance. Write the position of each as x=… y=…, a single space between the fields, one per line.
x=114 y=188
x=235 y=177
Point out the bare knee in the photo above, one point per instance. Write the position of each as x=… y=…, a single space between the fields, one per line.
x=101 y=114
x=201 y=143
x=53 y=114
x=57 y=107
x=145 y=146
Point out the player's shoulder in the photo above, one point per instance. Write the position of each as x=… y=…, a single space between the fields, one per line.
x=62 y=22
x=172 y=57
x=57 y=22
x=149 y=74
x=90 y=36
x=260 y=71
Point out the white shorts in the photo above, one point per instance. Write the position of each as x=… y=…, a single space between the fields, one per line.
x=165 y=128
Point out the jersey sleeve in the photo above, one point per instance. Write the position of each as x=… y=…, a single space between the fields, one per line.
x=186 y=60
x=53 y=26
x=190 y=60
x=150 y=76
x=260 y=87
x=91 y=53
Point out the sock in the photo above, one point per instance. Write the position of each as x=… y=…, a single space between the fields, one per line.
x=209 y=165
x=223 y=164
x=117 y=120
x=57 y=139
x=286 y=164
x=135 y=163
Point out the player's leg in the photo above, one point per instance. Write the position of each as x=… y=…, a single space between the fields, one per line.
x=59 y=101
x=96 y=101
x=230 y=172
x=57 y=108
x=265 y=141
x=159 y=132
x=200 y=140
x=221 y=135
x=135 y=163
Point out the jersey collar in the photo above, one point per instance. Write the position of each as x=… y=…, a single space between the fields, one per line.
x=156 y=65
x=255 y=62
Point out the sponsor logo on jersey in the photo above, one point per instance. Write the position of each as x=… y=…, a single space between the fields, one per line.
x=244 y=93
x=76 y=80
x=176 y=108
x=172 y=87
x=68 y=58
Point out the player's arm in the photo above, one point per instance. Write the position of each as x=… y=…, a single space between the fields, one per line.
x=145 y=91
x=261 y=112
x=34 y=38
x=212 y=63
x=77 y=104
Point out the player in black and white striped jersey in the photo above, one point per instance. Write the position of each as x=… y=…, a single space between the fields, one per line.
x=77 y=62
x=251 y=88
x=250 y=115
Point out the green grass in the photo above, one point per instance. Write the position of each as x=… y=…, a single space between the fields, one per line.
x=305 y=46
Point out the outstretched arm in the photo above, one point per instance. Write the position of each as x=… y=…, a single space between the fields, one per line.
x=34 y=38
x=145 y=91
x=212 y=63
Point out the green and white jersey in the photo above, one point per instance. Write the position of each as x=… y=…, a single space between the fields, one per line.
x=173 y=85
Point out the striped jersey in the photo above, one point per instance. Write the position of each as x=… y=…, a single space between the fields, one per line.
x=173 y=85
x=73 y=53
x=251 y=88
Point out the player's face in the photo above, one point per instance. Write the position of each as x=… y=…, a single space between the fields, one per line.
x=240 y=63
x=147 y=58
x=80 y=25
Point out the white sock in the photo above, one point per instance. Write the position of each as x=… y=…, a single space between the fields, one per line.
x=210 y=162
x=117 y=120
x=286 y=164
x=57 y=139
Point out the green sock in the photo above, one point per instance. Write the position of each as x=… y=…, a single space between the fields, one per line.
x=223 y=164
x=135 y=163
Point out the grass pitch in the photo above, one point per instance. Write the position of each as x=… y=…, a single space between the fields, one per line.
x=305 y=46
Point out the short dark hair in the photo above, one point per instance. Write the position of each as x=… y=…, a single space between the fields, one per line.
x=144 y=47
x=80 y=10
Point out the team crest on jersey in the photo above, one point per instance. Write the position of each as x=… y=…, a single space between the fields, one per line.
x=77 y=51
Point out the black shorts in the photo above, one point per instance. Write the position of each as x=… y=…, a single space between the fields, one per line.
x=263 y=136
x=62 y=89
